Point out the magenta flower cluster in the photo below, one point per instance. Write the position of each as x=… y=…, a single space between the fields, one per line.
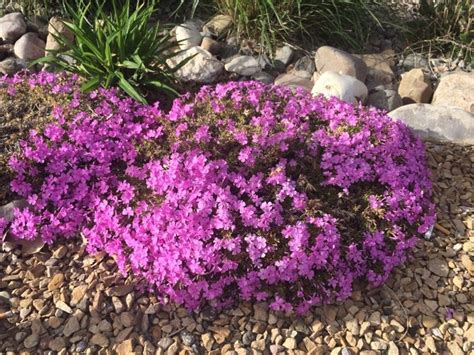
x=242 y=191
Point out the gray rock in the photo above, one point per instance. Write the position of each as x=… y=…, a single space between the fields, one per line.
x=188 y=35
x=294 y=81
x=438 y=123
x=12 y=27
x=12 y=65
x=244 y=65
x=335 y=60
x=7 y=211
x=304 y=67
x=456 y=90
x=283 y=56
x=387 y=100
x=263 y=77
x=379 y=71
x=29 y=47
x=201 y=68
x=345 y=87
x=415 y=60
x=211 y=45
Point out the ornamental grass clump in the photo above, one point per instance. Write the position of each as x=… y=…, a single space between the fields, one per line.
x=241 y=192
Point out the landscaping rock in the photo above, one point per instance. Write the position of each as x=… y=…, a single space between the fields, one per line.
x=245 y=65
x=387 y=100
x=12 y=27
x=304 y=67
x=294 y=81
x=210 y=45
x=335 y=60
x=263 y=77
x=456 y=90
x=57 y=28
x=188 y=35
x=415 y=87
x=6 y=50
x=438 y=122
x=379 y=71
x=29 y=47
x=345 y=87
x=12 y=65
x=218 y=25
x=202 y=68
x=415 y=60
x=283 y=56
x=7 y=211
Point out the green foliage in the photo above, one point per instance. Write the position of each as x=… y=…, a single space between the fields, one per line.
x=117 y=46
x=445 y=26
x=337 y=21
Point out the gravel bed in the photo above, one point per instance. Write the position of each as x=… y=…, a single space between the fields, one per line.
x=60 y=300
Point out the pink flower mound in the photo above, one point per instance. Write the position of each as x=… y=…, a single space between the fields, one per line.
x=244 y=191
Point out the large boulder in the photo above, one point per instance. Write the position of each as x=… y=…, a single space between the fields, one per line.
x=345 y=87
x=245 y=65
x=57 y=28
x=12 y=27
x=188 y=35
x=457 y=90
x=332 y=59
x=29 y=47
x=415 y=87
x=201 y=68
x=439 y=123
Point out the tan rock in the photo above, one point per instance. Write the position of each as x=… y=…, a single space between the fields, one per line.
x=415 y=87
x=290 y=343
x=56 y=282
x=100 y=340
x=332 y=59
x=77 y=294
x=379 y=71
x=57 y=28
x=125 y=347
x=456 y=90
x=29 y=47
x=468 y=263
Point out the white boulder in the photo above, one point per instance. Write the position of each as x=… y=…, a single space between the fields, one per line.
x=345 y=87
x=245 y=65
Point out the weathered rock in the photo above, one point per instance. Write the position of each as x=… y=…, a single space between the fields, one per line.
x=12 y=27
x=6 y=50
x=71 y=326
x=57 y=344
x=415 y=87
x=202 y=68
x=379 y=71
x=283 y=56
x=245 y=65
x=188 y=35
x=456 y=90
x=57 y=28
x=218 y=25
x=304 y=67
x=29 y=47
x=125 y=347
x=415 y=60
x=335 y=60
x=437 y=122
x=56 y=282
x=7 y=211
x=345 y=87
x=293 y=81
x=438 y=267
x=100 y=340
x=263 y=77
x=387 y=100
x=31 y=341
x=12 y=65
x=468 y=263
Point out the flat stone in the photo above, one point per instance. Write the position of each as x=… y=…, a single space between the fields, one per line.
x=71 y=326
x=57 y=344
x=99 y=340
x=290 y=343
x=31 y=341
x=437 y=123
x=12 y=65
x=78 y=294
x=438 y=267
x=468 y=263
x=218 y=25
x=125 y=347
x=387 y=100
x=56 y=282
x=244 y=65
x=456 y=90
x=63 y=306
x=260 y=312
